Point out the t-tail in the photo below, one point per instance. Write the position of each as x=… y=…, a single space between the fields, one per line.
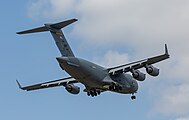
x=57 y=34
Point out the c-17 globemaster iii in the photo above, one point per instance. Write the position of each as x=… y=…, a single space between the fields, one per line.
x=95 y=78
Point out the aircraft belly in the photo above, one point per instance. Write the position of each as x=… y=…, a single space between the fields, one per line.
x=127 y=90
x=92 y=79
x=88 y=77
x=129 y=85
x=93 y=74
x=95 y=78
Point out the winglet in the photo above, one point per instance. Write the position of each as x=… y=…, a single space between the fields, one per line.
x=19 y=85
x=166 y=50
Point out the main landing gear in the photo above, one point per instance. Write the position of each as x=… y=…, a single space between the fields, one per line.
x=93 y=92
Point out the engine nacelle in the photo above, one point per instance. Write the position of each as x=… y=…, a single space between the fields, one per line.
x=152 y=70
x=138 y=75
x=72 y=89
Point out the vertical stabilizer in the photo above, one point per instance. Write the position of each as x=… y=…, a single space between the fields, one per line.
x=57 y=34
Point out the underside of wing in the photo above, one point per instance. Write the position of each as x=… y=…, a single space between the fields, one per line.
x=139 y=64
x=54 y=83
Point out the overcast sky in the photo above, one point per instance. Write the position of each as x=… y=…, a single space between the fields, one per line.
x=109 y=33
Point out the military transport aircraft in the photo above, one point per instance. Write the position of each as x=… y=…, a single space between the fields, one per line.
x=95 y=78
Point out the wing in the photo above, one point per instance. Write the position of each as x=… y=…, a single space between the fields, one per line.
x=139 y=64
x=54 y=83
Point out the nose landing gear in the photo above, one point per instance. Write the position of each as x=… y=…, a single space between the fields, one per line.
x=133 y=97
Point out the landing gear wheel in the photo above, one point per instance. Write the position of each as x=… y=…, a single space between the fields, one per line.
x=120 y=88
x=92 y=93
x=133 y=97
x=98 y=92
x=95 y=93
x=111 y=87
x=88 y=93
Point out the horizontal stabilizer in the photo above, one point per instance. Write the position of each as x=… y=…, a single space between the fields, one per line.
x=57 y=26
x=63 y=24
x=40 y=29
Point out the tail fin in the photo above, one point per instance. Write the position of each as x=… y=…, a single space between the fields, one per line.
x=57 y=34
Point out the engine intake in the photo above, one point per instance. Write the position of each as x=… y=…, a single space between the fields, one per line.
x=138 y=75
x=72 y=89
x=152 y=70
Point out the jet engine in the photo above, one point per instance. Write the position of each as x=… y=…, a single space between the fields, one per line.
x=72 y=89
x=152 y=70
x=138 y=75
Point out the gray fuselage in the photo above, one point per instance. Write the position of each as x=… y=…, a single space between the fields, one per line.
x=96 y=77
